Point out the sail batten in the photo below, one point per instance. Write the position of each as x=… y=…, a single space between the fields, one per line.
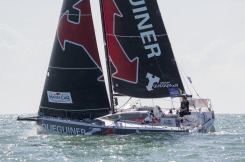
x=66 y=68
x=75 y=14
x=99 y=109
x=137 y=36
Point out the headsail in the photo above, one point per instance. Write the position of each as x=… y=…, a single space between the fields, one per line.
x=142 y=61
x=73 y=86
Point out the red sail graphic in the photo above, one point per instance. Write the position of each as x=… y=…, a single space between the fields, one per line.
x=126 y=69
x=79 y=33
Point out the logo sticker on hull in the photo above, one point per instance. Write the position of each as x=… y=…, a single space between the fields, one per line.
x=59 y=97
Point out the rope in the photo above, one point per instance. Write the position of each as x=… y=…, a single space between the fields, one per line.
x=182 y=71
x=125 y=103
x=21 y=122
x=159 y=67
x=170 y=100
x=172 y=103
x=153 y=102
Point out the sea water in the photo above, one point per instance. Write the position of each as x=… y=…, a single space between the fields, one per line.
x=19 y=141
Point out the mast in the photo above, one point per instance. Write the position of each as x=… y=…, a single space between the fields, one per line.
x=107 y=56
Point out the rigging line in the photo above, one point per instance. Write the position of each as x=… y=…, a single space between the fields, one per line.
x=22 y=122
x=186 y=83
x=159 y=67
x=182 y=71
x=183 y=75
x=192 y=87
x=195 y=90
x=137 y=101
x=190 y=83
x=199 y=95
x=172 y=106
x=133 y=36
x=153 y=102
x=125 y=103
x=170 y=100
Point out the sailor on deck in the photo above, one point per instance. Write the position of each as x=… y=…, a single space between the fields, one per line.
x=159 y=113
x=149 y=117
x=184 y=107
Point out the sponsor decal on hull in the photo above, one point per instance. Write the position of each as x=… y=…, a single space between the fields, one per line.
x=63 y=129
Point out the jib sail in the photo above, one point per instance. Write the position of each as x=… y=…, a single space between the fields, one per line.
x=141 y=58
x=74 y=86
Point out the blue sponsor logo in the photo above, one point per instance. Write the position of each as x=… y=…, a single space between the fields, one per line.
x=54 y=97
x=174 y=92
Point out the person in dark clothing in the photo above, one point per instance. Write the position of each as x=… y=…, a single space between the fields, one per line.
x=152 y=114
x=184 y=107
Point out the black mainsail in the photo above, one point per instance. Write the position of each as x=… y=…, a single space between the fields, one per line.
x=74 y=86
x=141 y=57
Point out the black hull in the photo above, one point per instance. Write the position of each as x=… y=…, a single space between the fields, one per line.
x=58 y=126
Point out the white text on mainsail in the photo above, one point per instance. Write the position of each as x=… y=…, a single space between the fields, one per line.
x=148 y=37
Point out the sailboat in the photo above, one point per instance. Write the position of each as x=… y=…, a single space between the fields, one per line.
x=140 y=64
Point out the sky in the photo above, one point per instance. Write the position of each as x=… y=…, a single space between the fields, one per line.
x=207 y=37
